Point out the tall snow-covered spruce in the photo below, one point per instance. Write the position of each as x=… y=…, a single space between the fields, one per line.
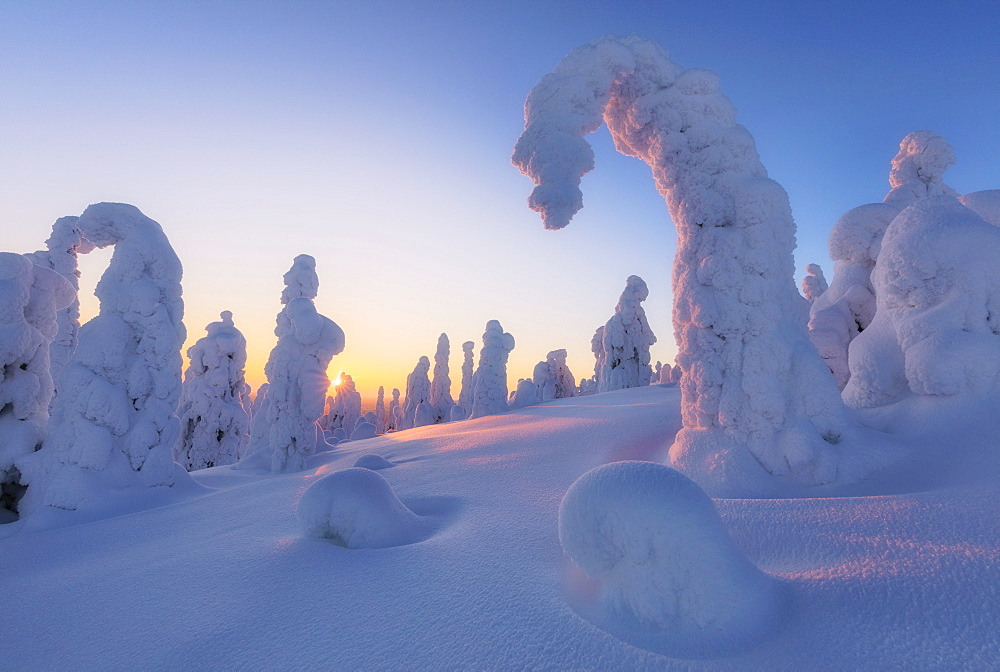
x=489 y=383
x=440 y=398
x=754 y=390
x=416 y=409
x=214 y=421
x=623 y=360
x=461 y=410
x=114 y=425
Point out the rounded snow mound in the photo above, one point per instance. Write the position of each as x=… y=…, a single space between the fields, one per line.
x=373 y=462
x=669 y=578
x=357 y=508
x=363 y=430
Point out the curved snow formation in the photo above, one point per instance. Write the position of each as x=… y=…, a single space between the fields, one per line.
x=373 y=462
x=115 y=419
x=215 y=425
x=937 y=328
x=984 y=203
x=357 y=508
x=752 y=382
x=669 y=576
x=625 y=341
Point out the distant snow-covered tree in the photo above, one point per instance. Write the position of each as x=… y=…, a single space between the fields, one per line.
x=345 y=405
x=214 y=422
x=625 y=341
x=418 y=391
x=489 y=385
x=393 y=415
x=440 y=395
x=380 y=414
x=465 y=397
x=30 y=298
x=814 y=284
x=917 y=169
x=553 y=378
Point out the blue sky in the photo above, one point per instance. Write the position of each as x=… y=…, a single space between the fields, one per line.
x=376 y=136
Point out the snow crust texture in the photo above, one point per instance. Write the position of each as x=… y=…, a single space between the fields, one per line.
x=670 y=577
x=623 y=360
x=357 y=508
x=752 y=382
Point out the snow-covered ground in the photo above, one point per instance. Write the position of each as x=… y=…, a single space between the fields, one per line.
x=222 y=576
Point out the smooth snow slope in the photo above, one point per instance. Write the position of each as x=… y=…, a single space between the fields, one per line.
x=227 y=580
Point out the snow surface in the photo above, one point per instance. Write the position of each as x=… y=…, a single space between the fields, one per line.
x=902 y=581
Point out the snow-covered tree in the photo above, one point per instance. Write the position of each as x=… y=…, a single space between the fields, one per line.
x=30 y=298
x=380 y=415
x=814 y=284
x=440 y=398
x=526 y=394
x=937 y=328
x=418 y=393
x=597 y=347
x=623 y=359
x=489 y=384
x=752 y=392
x=114 y=423
x=345 y=405
x=917 y=169
x=465 y=396
x=214 y=422
x=984 y=203
x=655 y=378
x=553 y=378
x=60 y=255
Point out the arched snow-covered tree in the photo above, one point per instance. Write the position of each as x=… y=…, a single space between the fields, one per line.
x=30 y=298
x=440 y=396
x=625 y=342
x=214 y=422
x=489 y=384
x=418 y=392
x=114 y=424
x=754 y=391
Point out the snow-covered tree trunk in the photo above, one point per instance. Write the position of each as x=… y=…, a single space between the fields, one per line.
x=114 y=423
x=625 y=341
x=440 y=398
x=418 y=391
x=752 y=386
x=489 y=384
x=30 y=298
x=214 y=423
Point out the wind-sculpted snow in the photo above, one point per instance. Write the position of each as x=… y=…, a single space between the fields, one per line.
x=373 y=462
x=668 y=576
x=440 y=394
x=30 y=297
x=114 y=425
x=752 y=383
x=357 y=508
x=418 y=393
x=814 y=284
x=489 y=383
x=937 y=329
x=625 y=341
x=214 y=421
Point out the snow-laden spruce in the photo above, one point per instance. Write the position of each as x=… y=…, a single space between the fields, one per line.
x=300 y=280
x=416 y=409
x=625 y=341
x=357 y=508
x=917 y=169
x=814 y=283
x=752 y=383
x=60 y=255
x=489 y=382
x=114 y=424
x=344 y=407
x=461 y=410
x=380 y=412
x=31 y=298
x=440 y=396
x=937 y=328
x=393 y=415
x=670 y=578
x=553 y=378
x=214 y=421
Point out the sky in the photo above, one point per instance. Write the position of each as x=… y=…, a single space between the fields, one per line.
x=376 y=136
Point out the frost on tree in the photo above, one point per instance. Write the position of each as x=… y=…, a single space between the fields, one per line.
x=114 y=423
x=625 y=340
x=214 y=422
x=814 y=284
x=752 y=383
x=345 y=405
x=489 y=383
x=847 y=307
x=60 y=255
x=30 y=297
x=440 y=396
x=418 y=393
x=937 y=329
x=461 y=411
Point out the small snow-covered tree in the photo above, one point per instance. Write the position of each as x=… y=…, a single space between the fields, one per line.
x=440 y=395
x=418 y=392
x=814 y=284
x=526 y=393
x=380 y=414
x=30 y=298
x=597 y=347
x=344 y=406
x=214 y=422
x=625 y=341
x=553 y=378
x=489 y=385
x=114 y=423
x=393 y=415
x=461 y=412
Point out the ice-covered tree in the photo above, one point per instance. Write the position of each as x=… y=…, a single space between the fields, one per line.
x=461 y=412
x=114 y=423
x=625 y=342
x=60 y=255
x=380 y=415
x=753 y=388
x=214 y=422
x=30 y=298
x=489 y=384
x=418 y=393
x=937 y=328
x=814 y=284
x=345 y=405
x=440 y=396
